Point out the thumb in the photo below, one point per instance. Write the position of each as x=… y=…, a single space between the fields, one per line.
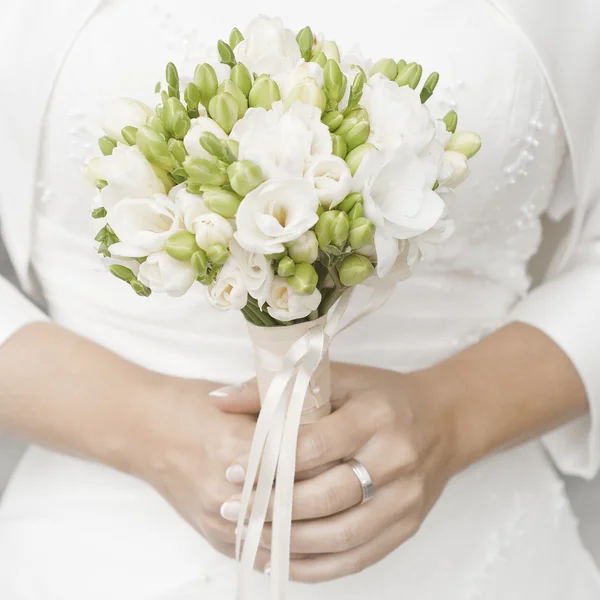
x=242 y=399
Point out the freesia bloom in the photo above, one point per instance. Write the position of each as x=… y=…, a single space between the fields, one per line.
x=331 y=178
x=163 y=274
x=286 y=305
x=211 y=229
x=128 y=174
x=268 y=47
x=228 y=292
x=275 y=213
x=398 y=199
x=282 y=143
x=257 y=272
x=123 y=112
x=455 y=169
x=142 y=224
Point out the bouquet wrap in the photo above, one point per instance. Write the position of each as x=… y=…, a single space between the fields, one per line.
x=271 y=344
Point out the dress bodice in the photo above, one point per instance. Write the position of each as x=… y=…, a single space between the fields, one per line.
x=478 y=274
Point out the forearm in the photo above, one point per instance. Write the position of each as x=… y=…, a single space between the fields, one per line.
x=512 y=386
x=65 y=392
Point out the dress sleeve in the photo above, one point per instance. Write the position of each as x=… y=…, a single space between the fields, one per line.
x=567 y=308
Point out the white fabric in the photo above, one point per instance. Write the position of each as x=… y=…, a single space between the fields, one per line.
x=503 y=529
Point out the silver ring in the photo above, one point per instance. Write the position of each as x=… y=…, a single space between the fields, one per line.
x=363 y=477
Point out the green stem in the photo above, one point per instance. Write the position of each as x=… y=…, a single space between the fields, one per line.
x=249 y=316
x=264 y=318
x=334 y=275
x=330 y=298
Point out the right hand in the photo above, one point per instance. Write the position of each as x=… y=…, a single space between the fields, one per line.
x=187 y=448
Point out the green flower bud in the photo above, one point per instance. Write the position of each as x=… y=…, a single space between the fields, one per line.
x=358 y=135
x=401 y=65
x=235 y=37
x=164 y=176
x=242 y=78
x=191 y=96
x=429 y=86
x=181 y=245
x=177 y=149
x=305 y=39
x=451 y=120
x=410 y=75
x=179 y=175
x=99 y=213
x=200 y=263
x=224 y=109
x=175 y=118
x=355 y=269
x=329 y=49
x=286 y=267
x=465 y=142
x=244 y=176
x=107 y=145
x=356 y=91
x=217 y=147
x=156 y=124
x=230 y=87
x=204 y=172
x=333 y=119
x=101 y=184
x=207 y=83
x=305 y=280
x=122 y=273
x=277 y=256
x=320 y=210
x=217 y=254
x=140 y=289
x=233 y=147
x=387 y=67
x=154 y=147
x=332 y=229
x=347 y=204
x=320 y=59
x=351 y=119
x=129 y=134
x=356 y=212
x=308 y=92
x=264 y=92
x=355 y=157
x=362 y=233
x=221 y=201
x=305 y=249
x=334 y=83
x=226 y=53
x=172 y=80
x=340 y=148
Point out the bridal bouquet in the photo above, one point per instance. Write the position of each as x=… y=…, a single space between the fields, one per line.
x=278 y=178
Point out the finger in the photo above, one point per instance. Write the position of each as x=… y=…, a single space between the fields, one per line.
x=242 y=398
x=352 y=528
x=318 y=569
x=337 y=436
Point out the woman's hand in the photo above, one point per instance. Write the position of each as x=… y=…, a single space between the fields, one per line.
x=402 y=432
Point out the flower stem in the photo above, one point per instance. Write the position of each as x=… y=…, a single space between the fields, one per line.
x=263 y=317
x=330 y=298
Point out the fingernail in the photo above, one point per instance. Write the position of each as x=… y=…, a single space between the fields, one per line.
x=224 y=392
x=230 y=511
x=268 y=569
x=236 y=474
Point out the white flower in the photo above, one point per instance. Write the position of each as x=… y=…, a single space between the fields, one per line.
x=398 y=199
x=142 y=224
x=275 y=213
x=455 y=169
x=228 y=292
x=163 y=274
x=128 y=174
x=331 y=178
x=120 y=113
x=268 y=47
x=282 y=143
x=397 y=116
x=257 y=272
x=429 y=241
x=286 y=305
x=211 y=229
x=301 y=72
x=192 y=139
x=189 y=206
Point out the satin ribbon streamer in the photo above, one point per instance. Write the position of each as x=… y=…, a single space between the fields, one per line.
x=273 y=451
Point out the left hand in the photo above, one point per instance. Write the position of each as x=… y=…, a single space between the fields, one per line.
x=401 y=430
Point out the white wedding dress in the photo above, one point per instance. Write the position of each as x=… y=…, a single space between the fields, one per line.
x=72 y=530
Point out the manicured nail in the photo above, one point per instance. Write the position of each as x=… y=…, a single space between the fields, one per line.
x=268 y=569
x=236 y=474
x=224 y=392
x=230 y=511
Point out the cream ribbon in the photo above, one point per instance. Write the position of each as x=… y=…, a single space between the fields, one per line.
x=273 y=451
